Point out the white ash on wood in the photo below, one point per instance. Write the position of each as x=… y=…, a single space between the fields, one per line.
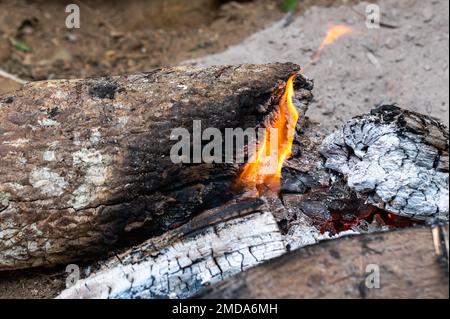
x=406 y=260
x=211 y=247
x=400 y=159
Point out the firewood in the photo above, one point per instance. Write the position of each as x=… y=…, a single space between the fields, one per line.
x=178 y=264
x=85 y=166
x=393 y=159
x=400 y=159
x=85 y=163
x=311 y=195
x=398 y=264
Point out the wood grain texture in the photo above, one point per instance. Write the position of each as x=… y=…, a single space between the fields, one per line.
x=409 y=268
x=211 y=247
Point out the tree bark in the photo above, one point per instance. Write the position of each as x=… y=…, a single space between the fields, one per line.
x=405 y=261
x=85 y=163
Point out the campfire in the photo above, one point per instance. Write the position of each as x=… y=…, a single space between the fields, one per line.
x=265 y=167
x=263 y=171
x=83 y=180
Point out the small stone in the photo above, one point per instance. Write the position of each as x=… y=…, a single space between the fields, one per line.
x=399 y=56
x=427 y=14
x=391 y=43
x=71 y=37
x=410 y=36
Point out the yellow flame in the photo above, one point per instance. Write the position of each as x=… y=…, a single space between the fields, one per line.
x=334 y=33
x=266 y=167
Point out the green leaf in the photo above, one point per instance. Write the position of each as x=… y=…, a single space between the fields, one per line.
x=289 y=5
x=20 y=45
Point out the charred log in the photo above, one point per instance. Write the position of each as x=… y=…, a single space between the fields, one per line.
x=85 y=168
x=85 y=163
x=398 y=158
x=315 y=204
x=405 y=260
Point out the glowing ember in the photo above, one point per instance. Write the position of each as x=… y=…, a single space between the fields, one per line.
x=265 y=168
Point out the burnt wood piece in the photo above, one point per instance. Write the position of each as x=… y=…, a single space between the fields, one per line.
x=209 y=248
x=344 y=268
x=319 y=188
x=398 y=158
x=85 y=163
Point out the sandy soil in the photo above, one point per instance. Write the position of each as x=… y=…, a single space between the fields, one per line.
x=408 y=65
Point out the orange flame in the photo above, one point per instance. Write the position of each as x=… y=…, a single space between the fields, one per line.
x=266 y=166
x=333 y=34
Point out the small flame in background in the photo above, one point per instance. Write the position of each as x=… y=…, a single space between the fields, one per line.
x=266 y=166
x=334 y=33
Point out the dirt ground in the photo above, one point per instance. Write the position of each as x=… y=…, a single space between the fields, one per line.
x=407 y=64
x=118 y=37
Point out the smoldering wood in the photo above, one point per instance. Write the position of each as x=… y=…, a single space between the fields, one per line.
x=406 y=260
x=85 y=163
x=398 y=158
x=209 y=248
x=309 y=195
x=319 y=188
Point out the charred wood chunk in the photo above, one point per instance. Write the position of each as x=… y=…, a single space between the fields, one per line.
x=398 y=158
x=211 y=247
x=85 y=164
x=400 y=264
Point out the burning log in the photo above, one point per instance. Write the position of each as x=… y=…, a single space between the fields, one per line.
x=85 y=163
x=86 y=169
x=404 y=261
x=178 y=264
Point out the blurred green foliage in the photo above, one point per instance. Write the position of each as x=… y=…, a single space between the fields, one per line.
x=289 y=5
x=19 y=45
